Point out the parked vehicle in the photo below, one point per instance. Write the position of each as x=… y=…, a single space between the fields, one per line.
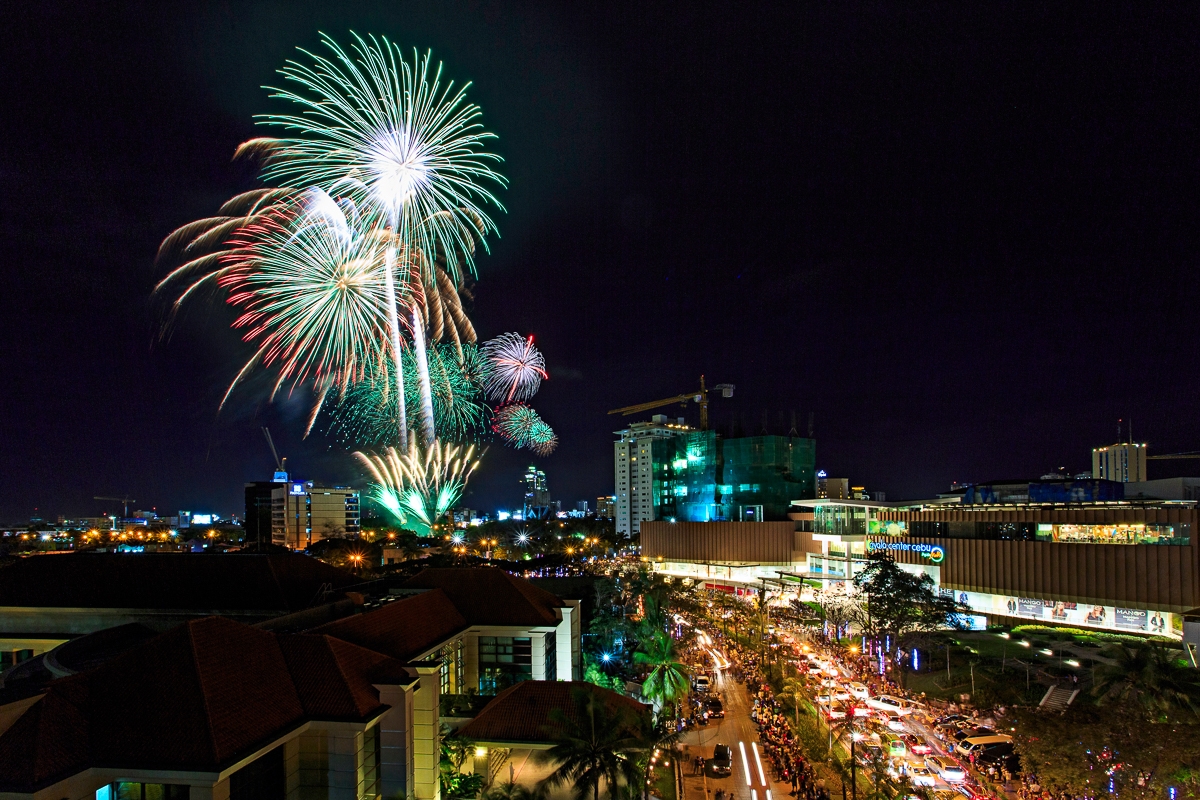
x=888 y=703
x=921 y=776
x=721 y=763
x=978 y=745
x=946 y=768
x=859 y=690
x=916 y=744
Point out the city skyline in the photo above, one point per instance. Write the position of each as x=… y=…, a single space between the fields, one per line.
x=967 y=268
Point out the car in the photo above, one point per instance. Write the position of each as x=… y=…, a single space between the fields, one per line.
x=949 y=719
x=859 y=690
x=869 y=752
x=835 y=710
x=891 y=720
x=916 y=744
x=977 y=745
x=701 y=683
x=824 y=699
x=895 y=746
x=946 y=768
x=944 y=794
x=888 y=703
x=996 y=754
x=967 y=733
x=828 y=683
x=721 y=763
x=921 y=776
x=841 y=694
x=715 y=708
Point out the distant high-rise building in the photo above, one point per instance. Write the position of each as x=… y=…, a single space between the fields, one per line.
x=303 y=512
x=633 y=470
x=606 y=506
x=582 y=506
x=1124 y=462
x=832 y=488
x=537 y=494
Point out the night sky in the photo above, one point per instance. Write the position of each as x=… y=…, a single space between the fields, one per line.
x=964 y=237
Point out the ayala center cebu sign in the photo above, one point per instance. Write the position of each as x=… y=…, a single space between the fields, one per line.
x=934 y=552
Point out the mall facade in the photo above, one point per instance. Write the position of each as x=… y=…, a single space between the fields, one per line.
x=1126 y=566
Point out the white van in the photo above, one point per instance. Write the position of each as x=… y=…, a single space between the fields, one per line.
x=888 y=703
x=980 y=744
x=946 y=769
x=858 y=690
x=701 y=682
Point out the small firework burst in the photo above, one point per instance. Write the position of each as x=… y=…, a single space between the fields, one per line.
x=514 y=368
x=522 y=427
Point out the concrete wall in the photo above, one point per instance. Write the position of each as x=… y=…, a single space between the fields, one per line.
x=765 y=543
x=426 y=755
x=1154 y=576
x=396 y=742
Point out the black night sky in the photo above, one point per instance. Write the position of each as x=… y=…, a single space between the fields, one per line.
x=963 y=236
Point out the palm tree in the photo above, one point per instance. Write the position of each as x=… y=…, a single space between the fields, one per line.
x=794 y=692
x=1149 y=675
x=668 y=680
x=597 y=747
x=655 y=737
x=508 y=791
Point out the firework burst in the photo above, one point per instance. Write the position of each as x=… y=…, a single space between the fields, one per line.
x=421 y=484
x=394 y=137
x=309 y=286
x=520 y=426
x=514 y=368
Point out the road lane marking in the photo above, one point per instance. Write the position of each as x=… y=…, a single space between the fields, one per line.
x=745 y=763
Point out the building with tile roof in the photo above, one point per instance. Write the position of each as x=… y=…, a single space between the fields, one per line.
x=46 y=600
x=215 y=708
x=536 y=714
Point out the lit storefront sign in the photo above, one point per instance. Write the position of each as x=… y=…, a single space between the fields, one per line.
x=934 y=552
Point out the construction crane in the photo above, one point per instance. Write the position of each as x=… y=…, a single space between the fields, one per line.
x=700 y=398
x=280 y=463
x=125 y=500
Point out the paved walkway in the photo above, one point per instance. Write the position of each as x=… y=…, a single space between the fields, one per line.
x=751 y=778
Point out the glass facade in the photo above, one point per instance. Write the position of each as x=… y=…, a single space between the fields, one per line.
x=701 y=477
x=551 y=657
x=504 y=661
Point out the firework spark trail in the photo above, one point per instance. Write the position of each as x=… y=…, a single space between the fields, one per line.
x=521 y=426
x=515 y=368
x=366 y=414
x=421 y=483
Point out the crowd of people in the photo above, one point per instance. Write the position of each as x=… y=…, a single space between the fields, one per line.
x=781 y=748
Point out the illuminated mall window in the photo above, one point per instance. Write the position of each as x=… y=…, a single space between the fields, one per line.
x=1115 y=534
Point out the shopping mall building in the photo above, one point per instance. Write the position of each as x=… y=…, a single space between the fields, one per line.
x=1078 y=555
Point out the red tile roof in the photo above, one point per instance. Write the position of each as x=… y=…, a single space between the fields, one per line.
x=522 y=713
x=203 y=582
x=404 y=629
x=198 y=697
x=491 y=596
